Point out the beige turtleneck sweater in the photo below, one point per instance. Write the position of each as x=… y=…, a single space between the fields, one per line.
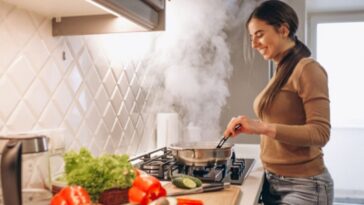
x=301 y=114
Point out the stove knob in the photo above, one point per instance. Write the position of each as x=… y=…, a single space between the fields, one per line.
x=235 y=173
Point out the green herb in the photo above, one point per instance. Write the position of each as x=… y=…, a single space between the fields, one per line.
x=97 y=174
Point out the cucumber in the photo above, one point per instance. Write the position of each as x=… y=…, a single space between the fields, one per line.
x=184 y=183
x=195 y=179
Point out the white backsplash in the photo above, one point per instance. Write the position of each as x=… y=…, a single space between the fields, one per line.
x=69 y=86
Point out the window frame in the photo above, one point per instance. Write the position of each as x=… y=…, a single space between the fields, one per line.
x=328 y=17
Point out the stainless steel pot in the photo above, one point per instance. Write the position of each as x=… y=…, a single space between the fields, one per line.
x=201 y=153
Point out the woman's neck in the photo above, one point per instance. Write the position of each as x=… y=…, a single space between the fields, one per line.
x=288 y=46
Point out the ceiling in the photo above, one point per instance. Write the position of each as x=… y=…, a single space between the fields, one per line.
x=334 y=5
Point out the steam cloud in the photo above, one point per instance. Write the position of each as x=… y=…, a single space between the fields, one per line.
x=191 y=64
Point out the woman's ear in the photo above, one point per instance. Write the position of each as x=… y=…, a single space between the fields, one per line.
x=284 y=30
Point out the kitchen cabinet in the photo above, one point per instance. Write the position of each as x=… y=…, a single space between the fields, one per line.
x=78 y=17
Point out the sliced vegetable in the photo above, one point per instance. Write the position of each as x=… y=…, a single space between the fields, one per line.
x=145 y=189
x=184 y=182
x=187 y=201
x=71 y=195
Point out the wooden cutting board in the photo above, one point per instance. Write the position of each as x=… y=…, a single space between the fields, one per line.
x=228 y=196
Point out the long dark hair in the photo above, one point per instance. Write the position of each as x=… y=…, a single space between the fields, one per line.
x=277 y=13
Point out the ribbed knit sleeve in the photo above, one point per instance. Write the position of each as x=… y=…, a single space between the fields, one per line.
x=312 y=88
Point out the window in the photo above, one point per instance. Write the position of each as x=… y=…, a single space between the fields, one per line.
x=337 y=42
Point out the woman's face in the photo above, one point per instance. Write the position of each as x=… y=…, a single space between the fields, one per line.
x=268 y=41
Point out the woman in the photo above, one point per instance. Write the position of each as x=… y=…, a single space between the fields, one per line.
x=293 y=111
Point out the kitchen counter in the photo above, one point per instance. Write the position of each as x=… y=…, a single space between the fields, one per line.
x=250 y=190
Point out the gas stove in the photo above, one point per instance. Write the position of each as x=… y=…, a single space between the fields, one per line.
x=162 y=164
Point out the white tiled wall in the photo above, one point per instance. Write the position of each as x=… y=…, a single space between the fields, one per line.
x=68 y=87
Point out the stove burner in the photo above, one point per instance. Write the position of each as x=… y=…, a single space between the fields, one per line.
x=153 y=165
x=161 y=164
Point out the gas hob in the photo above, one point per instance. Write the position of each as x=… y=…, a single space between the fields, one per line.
x=162 y=164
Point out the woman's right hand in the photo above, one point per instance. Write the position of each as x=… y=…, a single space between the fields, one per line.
x=248 y=126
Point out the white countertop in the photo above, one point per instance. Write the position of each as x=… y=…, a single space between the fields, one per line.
x=251 y=188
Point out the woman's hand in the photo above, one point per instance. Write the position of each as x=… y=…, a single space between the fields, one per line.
x=249 y=126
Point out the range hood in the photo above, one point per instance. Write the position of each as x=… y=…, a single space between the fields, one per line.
x=79 y=17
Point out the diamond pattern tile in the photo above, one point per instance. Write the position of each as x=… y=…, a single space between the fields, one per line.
x=50 y=75
x=9 y=97
x=93 y=117
x=74 y=118
x=21 y=74
x=63 y=97
x=116 y=133
x=20 y=26
x=69 y=84
x=74 y=79
x=38 y=58
x=36 y=98
x=123 y=83
x=62 y=56
x=123 y=114
x=116 y=99
x=22 y=119
x=85 y=62
x=109 y=82
x=101 y=131
x=109 y=116
x=129 y=99
x=76 y=43
x=37 y=19
x=84 y=98
x=51 y=117
x=101 y=99
x=8 y=49
x=84 y=135
x=93 y=80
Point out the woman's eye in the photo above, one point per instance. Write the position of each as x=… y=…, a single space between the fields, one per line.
x=259 y=35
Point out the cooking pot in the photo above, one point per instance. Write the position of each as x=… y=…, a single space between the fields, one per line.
x=201 y=153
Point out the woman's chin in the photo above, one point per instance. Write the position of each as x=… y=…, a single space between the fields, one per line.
x=267 y=57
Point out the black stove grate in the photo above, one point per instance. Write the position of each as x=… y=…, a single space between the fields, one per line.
x=161 y=164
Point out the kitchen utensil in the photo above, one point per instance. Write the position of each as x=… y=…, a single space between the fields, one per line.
x=201 y=153
x=25 y=177
x=201 y=189
x=223 y=140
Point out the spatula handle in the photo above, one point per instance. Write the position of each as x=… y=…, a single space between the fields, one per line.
x=223 y=140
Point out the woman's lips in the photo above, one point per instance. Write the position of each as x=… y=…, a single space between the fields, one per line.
x=263 y=51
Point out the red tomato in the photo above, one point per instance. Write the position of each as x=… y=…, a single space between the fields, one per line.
x=71 y=195
x=58 y=200
x=75 y=195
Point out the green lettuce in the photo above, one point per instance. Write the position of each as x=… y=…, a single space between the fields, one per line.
x=97 y=174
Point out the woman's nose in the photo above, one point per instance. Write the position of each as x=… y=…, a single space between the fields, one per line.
x=254 y=43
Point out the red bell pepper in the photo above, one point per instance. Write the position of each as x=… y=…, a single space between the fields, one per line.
x=187 y=201
x=71 y=195
x=145 y=189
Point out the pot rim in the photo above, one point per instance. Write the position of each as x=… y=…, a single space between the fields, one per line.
x=200 y=146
